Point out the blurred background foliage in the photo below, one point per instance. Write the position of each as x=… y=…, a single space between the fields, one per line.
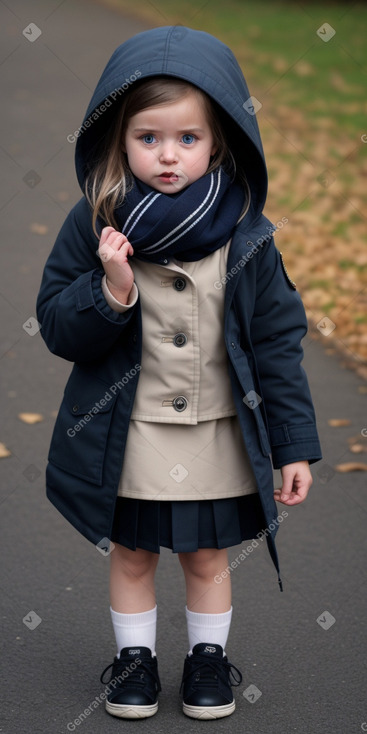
x=313 y=124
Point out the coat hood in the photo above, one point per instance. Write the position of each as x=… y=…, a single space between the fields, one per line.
x=191 y=55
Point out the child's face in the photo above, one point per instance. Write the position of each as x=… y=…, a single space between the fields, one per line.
x=169 y=147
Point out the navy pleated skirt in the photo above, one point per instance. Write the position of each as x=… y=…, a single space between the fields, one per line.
x=186 y=526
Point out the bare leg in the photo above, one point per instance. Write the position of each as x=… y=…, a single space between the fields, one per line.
x=203 y=594
x=132 y=580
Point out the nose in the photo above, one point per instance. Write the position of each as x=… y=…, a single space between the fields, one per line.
x=168 y=153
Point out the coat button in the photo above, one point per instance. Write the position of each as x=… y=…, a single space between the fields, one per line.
x=75 y=408
x=179 y=284
x=179 y=403
x=180 y=339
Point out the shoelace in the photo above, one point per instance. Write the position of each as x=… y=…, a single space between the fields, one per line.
x=134 y=678
x=221 y=669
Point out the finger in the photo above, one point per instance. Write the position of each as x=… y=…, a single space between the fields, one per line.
x=295 y=497
x=108 y=249
x=290 y=501
x=302 y=492
x=106 y=252
x=278 y=497
x=106 y=231
x=116 y=239
x=126 y=249
x=287 y=488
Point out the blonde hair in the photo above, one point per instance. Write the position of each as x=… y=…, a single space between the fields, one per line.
x=110 y=178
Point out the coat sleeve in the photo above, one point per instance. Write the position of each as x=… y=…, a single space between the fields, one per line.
x=278 y=325
x=76 y=321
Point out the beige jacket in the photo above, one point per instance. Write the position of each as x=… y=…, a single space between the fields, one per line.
x=183 y=381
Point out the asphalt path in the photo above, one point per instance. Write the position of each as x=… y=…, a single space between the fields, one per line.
x=303 y=652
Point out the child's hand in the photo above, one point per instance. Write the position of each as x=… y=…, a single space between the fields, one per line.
x=297 y=481
x=113 y=250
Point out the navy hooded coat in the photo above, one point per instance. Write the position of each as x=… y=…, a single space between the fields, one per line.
x=264 y=316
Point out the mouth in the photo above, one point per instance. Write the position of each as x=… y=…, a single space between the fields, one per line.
x=168 y=176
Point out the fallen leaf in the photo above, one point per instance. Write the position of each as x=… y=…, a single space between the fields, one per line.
x=355 y=439
x=357 y=448
x=4 y=452
x=30 y=417
x=351 y=466
x=336 y=422
x=37 y=228
x=362 y=389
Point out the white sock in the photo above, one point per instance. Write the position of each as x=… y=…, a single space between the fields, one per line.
x=135 y=629
x=212 y=628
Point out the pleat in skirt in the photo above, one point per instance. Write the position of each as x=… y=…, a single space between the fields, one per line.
x=186 y=526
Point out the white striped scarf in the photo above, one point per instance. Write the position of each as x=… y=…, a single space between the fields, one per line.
x=188 y=224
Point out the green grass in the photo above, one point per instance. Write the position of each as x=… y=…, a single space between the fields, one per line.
x=340 y=230
x=319 y=284
x=326 y=307
x=263 y=34
x=348 y=264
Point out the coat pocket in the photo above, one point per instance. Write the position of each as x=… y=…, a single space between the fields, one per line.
x=79 y=440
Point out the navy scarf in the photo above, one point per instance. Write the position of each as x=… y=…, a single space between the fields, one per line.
x=187 y=225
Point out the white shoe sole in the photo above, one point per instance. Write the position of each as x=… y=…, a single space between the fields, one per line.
x=209 y=712
x=126 y=711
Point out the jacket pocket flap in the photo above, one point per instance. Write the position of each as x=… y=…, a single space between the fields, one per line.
x=90 y=397
x=81 y=431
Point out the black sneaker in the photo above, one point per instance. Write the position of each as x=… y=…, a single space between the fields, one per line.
x=206 y=683
x=135 y=684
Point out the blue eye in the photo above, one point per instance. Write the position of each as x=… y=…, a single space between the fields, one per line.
x=148 y=138
x=188 y=138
